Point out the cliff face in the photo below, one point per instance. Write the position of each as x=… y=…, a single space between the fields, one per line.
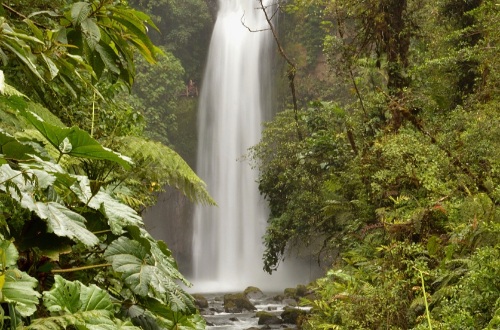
x=171 y=220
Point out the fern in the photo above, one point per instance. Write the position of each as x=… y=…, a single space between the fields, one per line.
x=158 y=163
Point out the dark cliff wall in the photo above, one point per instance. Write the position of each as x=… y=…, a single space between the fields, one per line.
x=171 y=220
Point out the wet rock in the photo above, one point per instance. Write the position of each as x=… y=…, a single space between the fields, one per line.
x=210 y=324
x=291 y=315
x=206 y=313
x=200 y=301
x=253 y=328
x=301 y=290
x=218 y=299
x=267 y=318
x=212 y=309
x=272 y=308
x=290 y=293
x=234 y=319
x=253 y=292
x=236 y=303
x=289 y=302
x=278 y=298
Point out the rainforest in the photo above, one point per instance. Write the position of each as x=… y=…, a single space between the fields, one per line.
x=157 y=157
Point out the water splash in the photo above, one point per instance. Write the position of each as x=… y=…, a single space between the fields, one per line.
x=233 y=102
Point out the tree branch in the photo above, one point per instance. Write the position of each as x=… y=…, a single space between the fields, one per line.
x=291 y=70
x=22 y=16
x=70 y=270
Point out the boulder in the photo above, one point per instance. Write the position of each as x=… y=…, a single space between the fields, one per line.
x=290 y=293
x=200 y=301
x=278 y=298
x=289 y=302
x=253 y=292
x=236 y=303
x=291 y=315
x=234 y=319
x=266 y=318
x=301 y=290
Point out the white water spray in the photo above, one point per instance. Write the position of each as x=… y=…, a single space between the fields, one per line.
x=228 y=240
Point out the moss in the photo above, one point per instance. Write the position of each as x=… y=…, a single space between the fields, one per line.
x=301 y=290
x=290 y=292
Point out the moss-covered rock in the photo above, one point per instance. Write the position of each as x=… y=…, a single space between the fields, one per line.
x=253 y=292
x=290 y=293
x=200 y=301
x=267 y=318
x=278 y=297
x=291 y=315
x=301 y=290
x=236 y=303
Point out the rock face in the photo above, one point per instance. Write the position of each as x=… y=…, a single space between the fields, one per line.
x=266 y=318
x=236 y=303
x=200 y=301
x=253 y=293
x=291 y=315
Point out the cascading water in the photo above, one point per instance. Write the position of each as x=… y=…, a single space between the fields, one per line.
x=228 y=239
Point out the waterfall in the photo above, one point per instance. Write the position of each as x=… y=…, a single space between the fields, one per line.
x=227 y=241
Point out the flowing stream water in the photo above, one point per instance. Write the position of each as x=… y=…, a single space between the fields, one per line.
x=234 y=100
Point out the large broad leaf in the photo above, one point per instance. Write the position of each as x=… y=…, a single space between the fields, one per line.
x=64 y=297
x=8 y=254
x=79 y=12
x=130 y=258
x=78 y=305
x=21 y=190
x=74 y=141
x=19 y=290
x=75 y=319
x=91 y=32
x=141 y=272
x=119 y=215
x=64 y=222
x=71 y=297
x=13 y=149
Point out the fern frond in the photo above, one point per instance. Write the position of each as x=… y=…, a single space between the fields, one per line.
x=158 y=163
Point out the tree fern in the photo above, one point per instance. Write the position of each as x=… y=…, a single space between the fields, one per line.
x=163 y=165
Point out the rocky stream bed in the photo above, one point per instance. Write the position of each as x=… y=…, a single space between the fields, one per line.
x=253 y=309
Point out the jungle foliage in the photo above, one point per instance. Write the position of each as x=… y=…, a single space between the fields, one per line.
x=73 y=249
x=397 y=170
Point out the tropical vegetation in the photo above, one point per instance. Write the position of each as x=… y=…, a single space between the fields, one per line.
x=391 y=176
x=76 y=171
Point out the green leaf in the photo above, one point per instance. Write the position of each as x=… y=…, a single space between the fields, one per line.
x=92 y=318
x=19 y=289
x=53 y=70
x=108 y=56
x=79 y=12
x=13 y=149
x=82 y=144
x=93 y=298
x=130 y=258
x=141 y=271
x=91 y=32
x=163 y=165
x=64 y=297
x=8 y=254
x=64 y=222
x=119 y=215
x=71 y=297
